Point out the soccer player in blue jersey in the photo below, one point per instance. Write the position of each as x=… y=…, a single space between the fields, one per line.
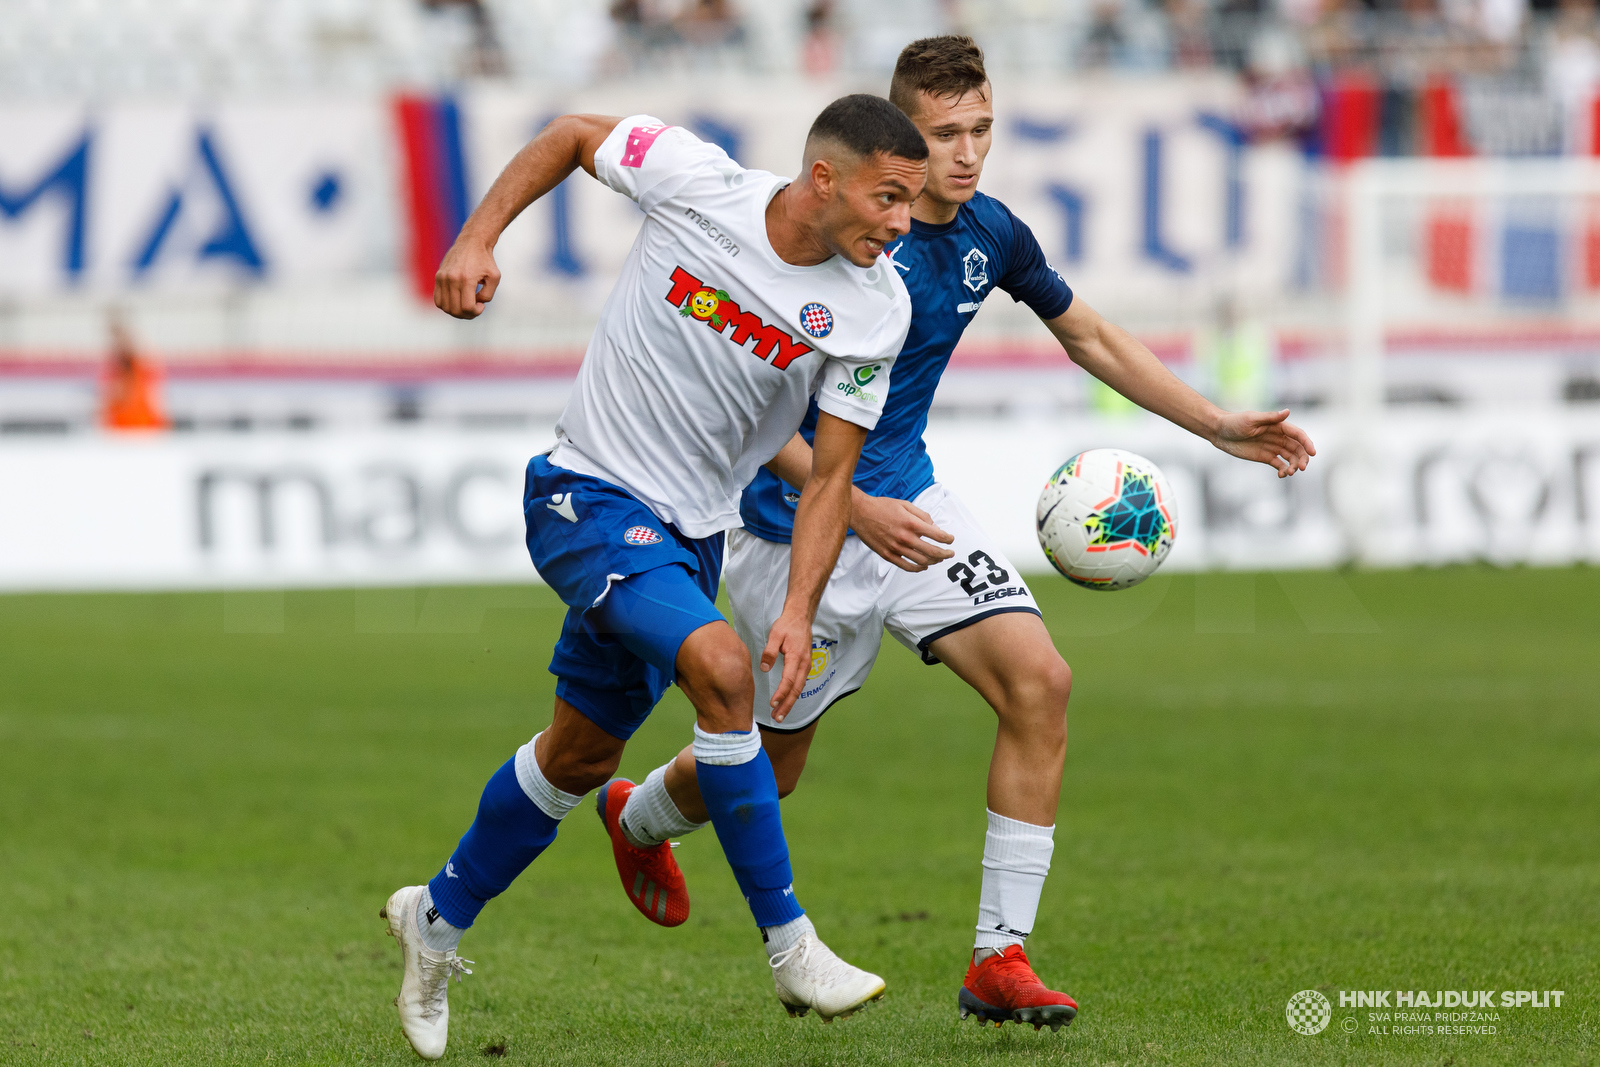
x=919 y=564
x=744 y=296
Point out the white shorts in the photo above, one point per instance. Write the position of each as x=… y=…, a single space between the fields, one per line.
x=865 y=595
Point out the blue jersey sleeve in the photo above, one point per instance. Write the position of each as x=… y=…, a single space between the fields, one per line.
x=1029 y=278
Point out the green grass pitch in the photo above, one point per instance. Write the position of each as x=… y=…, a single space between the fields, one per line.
x=1362 y=781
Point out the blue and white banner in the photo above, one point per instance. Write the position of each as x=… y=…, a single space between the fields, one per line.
x=1141 y=187
x=129 y=198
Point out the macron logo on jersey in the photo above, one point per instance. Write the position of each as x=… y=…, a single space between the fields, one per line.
x=640 y=138
x=696 y=300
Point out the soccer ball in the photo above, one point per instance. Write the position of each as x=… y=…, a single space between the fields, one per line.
x=1107 y=519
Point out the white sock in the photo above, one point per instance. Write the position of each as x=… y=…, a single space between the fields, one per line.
x=554 y=802
x=1016 y=857
x=778 y=938
x=650 y=816
x=437 y=934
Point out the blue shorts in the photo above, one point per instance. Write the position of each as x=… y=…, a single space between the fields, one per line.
x=634 y=588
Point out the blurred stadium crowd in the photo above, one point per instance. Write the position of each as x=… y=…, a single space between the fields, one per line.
x=1517 y=67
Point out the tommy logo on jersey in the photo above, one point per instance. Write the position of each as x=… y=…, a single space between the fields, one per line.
x=641 y=535
x=695 y=299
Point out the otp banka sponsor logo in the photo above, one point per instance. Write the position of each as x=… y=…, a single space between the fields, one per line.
x=860 y=378
x=696 y=300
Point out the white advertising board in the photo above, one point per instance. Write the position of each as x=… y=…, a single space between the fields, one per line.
x=437 y=506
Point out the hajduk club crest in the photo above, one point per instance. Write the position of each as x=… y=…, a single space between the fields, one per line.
x=816 y=319
x=641 y=535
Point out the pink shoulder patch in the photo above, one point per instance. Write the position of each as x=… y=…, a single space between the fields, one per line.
x=639 y=141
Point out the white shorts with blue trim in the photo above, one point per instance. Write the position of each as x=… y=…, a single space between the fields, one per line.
x=866 y=594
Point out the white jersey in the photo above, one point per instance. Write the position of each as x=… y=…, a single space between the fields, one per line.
x=710 y=346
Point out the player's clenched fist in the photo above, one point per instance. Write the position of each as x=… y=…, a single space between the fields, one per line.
x=467 y=278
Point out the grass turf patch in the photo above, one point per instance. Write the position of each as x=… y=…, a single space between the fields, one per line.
x=1336 y=782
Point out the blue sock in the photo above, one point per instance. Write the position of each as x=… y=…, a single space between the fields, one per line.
x=508 y=834
x=743 y=802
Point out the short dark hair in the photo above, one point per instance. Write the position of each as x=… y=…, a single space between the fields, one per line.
x=867 y=125
x=951 y=65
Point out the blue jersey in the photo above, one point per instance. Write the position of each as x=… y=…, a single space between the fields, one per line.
x=948 y=269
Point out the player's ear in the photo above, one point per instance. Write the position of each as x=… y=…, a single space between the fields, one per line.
x=824 y=177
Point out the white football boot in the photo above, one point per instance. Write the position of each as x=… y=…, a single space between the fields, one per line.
x=424 y=992
x=809 y=975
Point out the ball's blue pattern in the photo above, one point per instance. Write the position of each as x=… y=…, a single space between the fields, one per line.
x=1134 y=516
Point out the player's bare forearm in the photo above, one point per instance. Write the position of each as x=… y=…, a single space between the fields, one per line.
x=468 y=276
x=1117 y=358
x=823 y=513
x=819 y=528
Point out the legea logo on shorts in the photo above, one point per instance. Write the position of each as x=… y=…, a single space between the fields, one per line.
x=641 y=535
x=1308 y=1012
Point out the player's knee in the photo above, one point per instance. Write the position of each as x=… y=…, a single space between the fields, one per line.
x=716 y=678
x=787 y=776
x=1056 y=682
x=1036 y=700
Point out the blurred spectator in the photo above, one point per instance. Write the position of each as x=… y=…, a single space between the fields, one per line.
x=1281 y=99
x=1232 y=28
x=710 y=29
x=1103 y=45
x=131 y=386
x=485 y=58
x=667 y=34
x=820 y=55
x=1572 y=67
x=1340 y=38
x=1191 y=43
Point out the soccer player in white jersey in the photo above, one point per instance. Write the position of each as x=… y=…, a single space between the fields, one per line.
x=744 y=295
x=963 y=605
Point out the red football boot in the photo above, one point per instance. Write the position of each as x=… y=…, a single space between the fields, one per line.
x=1004 y=987
x=649 y=875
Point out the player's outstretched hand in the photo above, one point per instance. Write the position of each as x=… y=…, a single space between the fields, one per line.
x=899 y=531
x=466 y=279
x=1266 y=437
x=791 y=639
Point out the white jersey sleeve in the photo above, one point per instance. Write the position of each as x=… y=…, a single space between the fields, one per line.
x=853 y=388
x=648 y=161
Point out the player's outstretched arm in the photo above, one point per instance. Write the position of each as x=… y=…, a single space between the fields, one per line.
x=819 y=525
x=897 y=530
x=467 y=277
x=1113 y=355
